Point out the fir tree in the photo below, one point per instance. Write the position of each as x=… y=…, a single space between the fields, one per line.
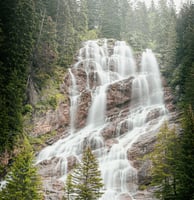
x=186 y=157
x=110 y=19
x=23 y=183
x=185 y=52
x=69 y=187
x=164 y=164
x=93 y=13
x=17 y=23
x=86 y=179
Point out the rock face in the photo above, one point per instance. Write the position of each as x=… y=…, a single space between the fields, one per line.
x=119 y=94
x=52 y=120
x=122 y=111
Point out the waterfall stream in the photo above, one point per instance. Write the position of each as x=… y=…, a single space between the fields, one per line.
x=108 y=68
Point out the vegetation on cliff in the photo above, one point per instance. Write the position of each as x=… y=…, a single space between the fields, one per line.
x=22 y=182
x=38 y=40
x=172 y=161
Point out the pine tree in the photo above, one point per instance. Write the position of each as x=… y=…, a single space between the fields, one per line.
x=185 y=52
x=23 y=183
x=110 y=19
x=69 y=187
x=93 y=13
x=124 y=8
x=186 y=159
x=17 y=25
x=139 y=38
x=86 y=178
x=164 y=164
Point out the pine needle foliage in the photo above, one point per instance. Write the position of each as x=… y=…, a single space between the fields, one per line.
x=23 y=183
x=85 y=182
x=186 y=157
x=164 y=164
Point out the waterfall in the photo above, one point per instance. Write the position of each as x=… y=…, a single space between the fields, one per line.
x=74 y=100
x=107 y=68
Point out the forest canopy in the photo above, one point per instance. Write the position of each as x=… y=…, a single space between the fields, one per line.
x=38 y=36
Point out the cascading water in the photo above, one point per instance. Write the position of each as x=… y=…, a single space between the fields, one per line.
x=74 y=99
x=119 y=176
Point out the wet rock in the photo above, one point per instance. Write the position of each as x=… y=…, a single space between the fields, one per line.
x=141 y=195
x=94 y=80
x=119 y=94
x=144 y=177
x=125 y=197
x=169 y=99
x=143 y=145
x=49 y=168
x=81 y=77
x=71 y=160
x=84 y=102
x=110 y=142
x=109 y=131
x=154 y=114
x=52 y=120
x=54 y=189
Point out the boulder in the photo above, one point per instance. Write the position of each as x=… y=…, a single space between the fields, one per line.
x=119 y=94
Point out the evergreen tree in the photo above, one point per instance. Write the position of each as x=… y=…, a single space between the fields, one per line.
x=110 y=19
x=153 y=25
x=186 y=158
x=69 y=187
x=173 y=163
x=17 y=21
x=45 y=51
x=71 y=27
x=167 y=37
x=139 y=28
x=164 y=164
x=23 y=182
x=124 y=8
x=185 y=52
x=81 y=25
x=93 y=13
x=86 y=179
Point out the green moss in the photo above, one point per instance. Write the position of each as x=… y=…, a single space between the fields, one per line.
x=27 y=109
x=49 y=99
x=91 y=35
x=143 y=187
x=39 y=142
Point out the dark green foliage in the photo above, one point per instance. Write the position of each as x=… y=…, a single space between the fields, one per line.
x=66 y=32
x=17 y=26
x=138 y=27
x=60 y=27
x=85 y=182
x=45 y=53
x=186 y=158
x=164 y=165
x=185 y=54
x=23 y=182
x=124 y=9
x=71 y=26
x=110 y=19
x=69 y=189
x=173 y=163
x=93 y=13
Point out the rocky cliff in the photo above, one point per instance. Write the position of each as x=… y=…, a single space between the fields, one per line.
x=82 y=84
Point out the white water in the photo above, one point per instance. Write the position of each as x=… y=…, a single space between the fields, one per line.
x=119 y=176
x=74 y=100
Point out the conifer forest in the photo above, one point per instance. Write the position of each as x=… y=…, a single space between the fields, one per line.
x=96 y=100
